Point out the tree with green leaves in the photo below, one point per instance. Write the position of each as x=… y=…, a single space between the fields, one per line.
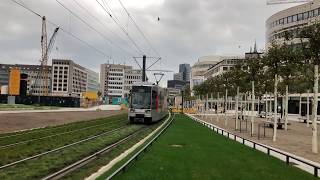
x=253 y=74
x=272 y=60
x=310 y=38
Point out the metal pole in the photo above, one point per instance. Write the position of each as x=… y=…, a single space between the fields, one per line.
x=225 y=109
x=308 y=107
x=182 y=99
x=144 y=68
x=300 y=99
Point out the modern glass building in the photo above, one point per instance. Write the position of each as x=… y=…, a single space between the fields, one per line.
x=185 y=71
x=291 y=19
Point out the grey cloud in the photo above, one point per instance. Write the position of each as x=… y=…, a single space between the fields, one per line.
x=187 y=29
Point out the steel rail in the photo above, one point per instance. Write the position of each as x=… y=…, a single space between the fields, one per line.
x=61 y=173
x=53 y=135
x=135 y=156
x=30 y=131
x=60 y=148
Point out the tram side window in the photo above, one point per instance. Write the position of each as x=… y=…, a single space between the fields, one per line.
x=154 y=101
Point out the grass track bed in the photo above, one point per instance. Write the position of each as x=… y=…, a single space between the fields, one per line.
x=188 y=150
x=47 y=164
x=36 y=133
x=94 y=166
x=15 y=153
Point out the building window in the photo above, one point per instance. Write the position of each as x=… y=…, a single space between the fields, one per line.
x=306 y=15
x=316 y=12
x=294 y=18
x=289 y=19
x=300 y=16
x=281 y=21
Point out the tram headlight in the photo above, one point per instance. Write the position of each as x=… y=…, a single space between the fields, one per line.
x=132 y=110
x=148 y=111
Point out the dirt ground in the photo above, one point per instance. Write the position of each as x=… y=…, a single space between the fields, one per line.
x=23 y=121
x=296 y=140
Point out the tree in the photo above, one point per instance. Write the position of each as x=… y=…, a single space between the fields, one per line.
x=187 y=93
x=253 y=74
x=272 y=60
x=289 y=70
x=310 y=41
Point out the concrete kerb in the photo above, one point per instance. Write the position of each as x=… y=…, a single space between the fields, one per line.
x=122 y=156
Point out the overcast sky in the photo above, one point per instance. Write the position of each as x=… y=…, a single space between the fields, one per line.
x=187 y=30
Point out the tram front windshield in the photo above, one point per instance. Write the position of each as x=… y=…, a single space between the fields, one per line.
x=141 y=97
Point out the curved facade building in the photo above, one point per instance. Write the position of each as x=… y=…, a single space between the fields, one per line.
x=290 y=19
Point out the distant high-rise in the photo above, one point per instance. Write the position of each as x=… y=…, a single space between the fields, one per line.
x=178 y=76
x=185 y=70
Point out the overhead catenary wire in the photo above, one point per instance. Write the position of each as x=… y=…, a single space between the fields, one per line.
x=77 y=38
x=83 y=21
x=111 y=11
x=62 y=29
x=139 y=29
x=22 y=5
x=102 y=24
x=122 y=28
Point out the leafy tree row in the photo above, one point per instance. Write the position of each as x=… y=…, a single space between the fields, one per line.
x=289 y=66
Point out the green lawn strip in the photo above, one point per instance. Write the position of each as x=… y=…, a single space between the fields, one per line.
x=37 y=168
x=36 y=133
x=188 y=150
x=94 y=166
x=119 y=164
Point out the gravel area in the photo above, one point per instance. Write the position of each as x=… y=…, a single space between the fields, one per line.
x=24 y=121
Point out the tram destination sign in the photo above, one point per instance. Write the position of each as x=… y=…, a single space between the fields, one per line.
x=271 y=2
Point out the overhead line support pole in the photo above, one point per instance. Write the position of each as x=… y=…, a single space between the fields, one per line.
x=144 y=68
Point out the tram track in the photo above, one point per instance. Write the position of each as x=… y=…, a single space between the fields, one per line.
x=57 y=134
x=62 y=147
x=84 y=161
x=29 y=133
x=57 y=161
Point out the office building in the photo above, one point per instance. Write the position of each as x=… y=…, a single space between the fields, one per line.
x=290 y=20
x=116 y=80
x=35 y=80
x=176 y=84
x=178 y=76
x=71 y=79
x=222 y=67
x=201 y=66
x=173 y=92
x=185 y=71
x=93 y=84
